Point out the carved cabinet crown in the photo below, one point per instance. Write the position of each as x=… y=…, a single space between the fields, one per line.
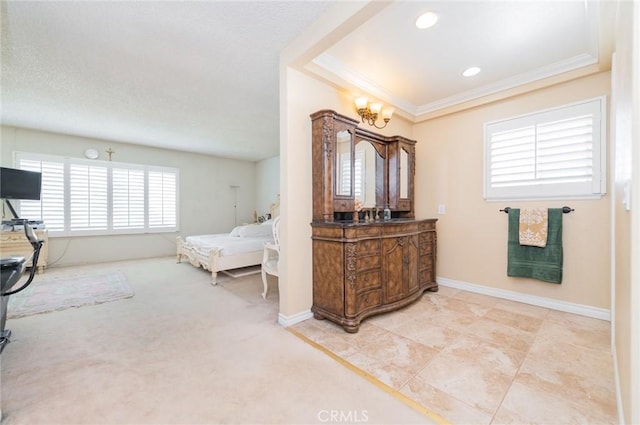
x=356 y=167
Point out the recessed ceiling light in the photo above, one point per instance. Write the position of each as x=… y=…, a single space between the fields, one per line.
x=470 y=72
x=426 y=20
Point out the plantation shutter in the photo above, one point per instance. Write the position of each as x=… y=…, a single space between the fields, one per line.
x=550 y=154
x=81 y=197
x=50 y=207
x=88 y=197
x=162 y=190
x=128 y=198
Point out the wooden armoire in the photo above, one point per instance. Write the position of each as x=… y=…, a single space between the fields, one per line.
x=364 y=264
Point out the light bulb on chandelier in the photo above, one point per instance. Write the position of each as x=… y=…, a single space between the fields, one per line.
x=369 y=112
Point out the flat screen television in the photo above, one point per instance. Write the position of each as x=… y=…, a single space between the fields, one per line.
x=20 y=184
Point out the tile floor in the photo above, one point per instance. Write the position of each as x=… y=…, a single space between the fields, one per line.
x=474 y=359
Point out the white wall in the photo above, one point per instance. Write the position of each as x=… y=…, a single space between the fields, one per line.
x=206 y=199
x=267 y=183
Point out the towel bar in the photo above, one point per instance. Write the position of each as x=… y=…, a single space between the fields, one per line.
x=565 y=210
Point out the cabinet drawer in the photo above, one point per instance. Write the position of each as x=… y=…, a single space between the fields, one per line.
x=426 y=237
x=426 y=248
x=368 y=262
x=369 y=247
x=426 y=276
x=428 y=225
x=426 y=262
x=400 y=228
x=368 y=300
x=368 y=280
x=366 y=231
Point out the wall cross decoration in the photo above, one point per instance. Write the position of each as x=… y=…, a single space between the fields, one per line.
x=110 y=152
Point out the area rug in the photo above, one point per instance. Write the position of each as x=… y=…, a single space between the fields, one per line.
x=47 y=294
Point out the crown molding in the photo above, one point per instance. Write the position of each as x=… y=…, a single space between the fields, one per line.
x=554 y=69
x=335 y=70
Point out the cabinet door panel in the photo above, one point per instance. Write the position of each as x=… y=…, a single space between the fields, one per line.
x=393 y=268
x=328 y=276
x=410 y=260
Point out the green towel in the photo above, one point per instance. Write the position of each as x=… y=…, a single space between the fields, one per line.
x=531 y=261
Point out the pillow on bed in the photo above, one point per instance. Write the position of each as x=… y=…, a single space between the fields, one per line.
x=251 y=231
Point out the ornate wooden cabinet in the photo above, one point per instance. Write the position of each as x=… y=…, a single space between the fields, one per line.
x=362 y=264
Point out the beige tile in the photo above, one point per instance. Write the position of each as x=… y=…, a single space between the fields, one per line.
x=450 y=408
x=573 y=373
x=391 y=320
x=475 y=298
x=454 y=305
x=515 y=320
x=311 y=327
x=501 y=334
x=334 y=344
x=443 y=291
x=387 y=373
x=595 y=335
x=367 y=334
x=526 y=405
x=522 y=308
x=427 y=333
x=473 y=372
x=455 y=321
x=467 y=356
x=401 y=352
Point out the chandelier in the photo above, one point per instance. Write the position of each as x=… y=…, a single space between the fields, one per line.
x=369 y=112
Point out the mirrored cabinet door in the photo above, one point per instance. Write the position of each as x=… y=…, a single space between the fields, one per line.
x=369 y=170
x=401 y=177
x=404 y=173
x=344 y=166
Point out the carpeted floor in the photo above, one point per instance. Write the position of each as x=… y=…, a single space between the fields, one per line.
x=181 y=351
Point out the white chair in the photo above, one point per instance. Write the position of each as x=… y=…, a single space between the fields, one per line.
x=271 y=256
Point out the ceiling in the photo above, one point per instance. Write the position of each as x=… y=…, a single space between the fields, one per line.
x=203 y=76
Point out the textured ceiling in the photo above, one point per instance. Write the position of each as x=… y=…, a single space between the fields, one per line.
x=203 y=76
x=198 y=76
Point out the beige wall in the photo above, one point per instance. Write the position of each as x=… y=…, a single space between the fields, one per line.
x=472 y=234
x=267 y=183
x=625 y=83
x=206 y=200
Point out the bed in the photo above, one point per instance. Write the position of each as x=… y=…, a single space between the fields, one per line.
x=242 y=247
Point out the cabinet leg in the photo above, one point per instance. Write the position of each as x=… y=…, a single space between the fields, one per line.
x=352 y=329
x=318 y=316
x=434 y=289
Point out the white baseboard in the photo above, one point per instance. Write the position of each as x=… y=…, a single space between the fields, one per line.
x=583 y=310
x=287 y=321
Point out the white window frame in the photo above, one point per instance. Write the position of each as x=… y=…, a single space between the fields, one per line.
x=67 y=161
x=594 y=189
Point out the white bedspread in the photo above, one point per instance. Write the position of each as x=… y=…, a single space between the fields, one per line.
x=228 y=245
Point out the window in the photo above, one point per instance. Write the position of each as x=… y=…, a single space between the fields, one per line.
x=557 y=153
x=81 y=197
